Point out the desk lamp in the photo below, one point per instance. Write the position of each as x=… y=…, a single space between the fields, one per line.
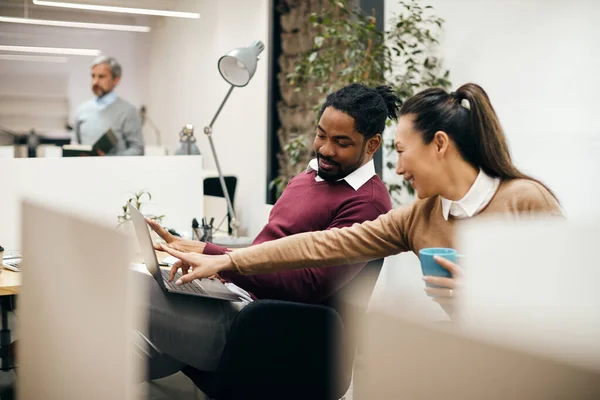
x=187 y=142
x=237 y=67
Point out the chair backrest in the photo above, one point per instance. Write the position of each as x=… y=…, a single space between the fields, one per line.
x=358 y=291
x=351 y=303
x=212 y=187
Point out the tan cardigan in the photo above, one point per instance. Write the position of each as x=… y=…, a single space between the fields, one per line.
x=408 y=228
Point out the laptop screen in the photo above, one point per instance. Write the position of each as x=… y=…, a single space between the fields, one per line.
x=144 y=240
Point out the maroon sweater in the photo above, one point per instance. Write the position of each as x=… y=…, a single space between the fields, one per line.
x=305 y=206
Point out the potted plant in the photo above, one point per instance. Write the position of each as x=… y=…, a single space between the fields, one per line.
x=137 y=200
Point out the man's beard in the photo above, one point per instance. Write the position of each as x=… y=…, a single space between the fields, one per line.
x=100 y=92
x=341 y=172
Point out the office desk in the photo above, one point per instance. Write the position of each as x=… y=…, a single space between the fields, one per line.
x=10 y=282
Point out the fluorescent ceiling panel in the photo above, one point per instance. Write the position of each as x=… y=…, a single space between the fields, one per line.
x=124 y=10
x=23 y=57
x=73 y=24
x=51 y=50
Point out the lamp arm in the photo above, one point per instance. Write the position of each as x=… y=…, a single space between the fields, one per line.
x=155 y=129
x=8 y=132
x=208 y=131
x=221 y=107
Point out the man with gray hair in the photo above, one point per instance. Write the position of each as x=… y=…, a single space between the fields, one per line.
x=108 y=111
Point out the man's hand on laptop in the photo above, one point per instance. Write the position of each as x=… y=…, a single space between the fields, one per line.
x=202 y=266
x=184 y=245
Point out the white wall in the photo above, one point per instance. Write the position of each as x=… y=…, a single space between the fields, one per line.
x=186 y=87
x=539 y=61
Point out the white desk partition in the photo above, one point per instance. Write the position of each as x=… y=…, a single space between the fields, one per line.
x=75 y=324
x=7 y=151
x=101 y=185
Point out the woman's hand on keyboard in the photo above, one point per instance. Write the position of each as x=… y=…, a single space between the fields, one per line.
x=202 y=266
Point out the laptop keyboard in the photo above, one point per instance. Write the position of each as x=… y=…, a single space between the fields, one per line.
x=187 y=287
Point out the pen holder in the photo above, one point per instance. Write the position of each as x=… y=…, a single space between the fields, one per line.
x=204 y=232
x=207 y=235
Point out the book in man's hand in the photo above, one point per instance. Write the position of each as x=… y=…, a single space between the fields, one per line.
x=102 y=145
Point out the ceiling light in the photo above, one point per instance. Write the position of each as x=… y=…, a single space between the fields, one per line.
x=51 y=50
x=125 y=10
x=23 y=57
x=73 y=24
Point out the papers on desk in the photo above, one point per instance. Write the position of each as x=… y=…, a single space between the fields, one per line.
x=169 y=260
x=12 y=260
x=239 y=291
x=14 y=264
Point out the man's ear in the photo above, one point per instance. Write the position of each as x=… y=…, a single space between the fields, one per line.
x=441 y=140
x=373 y=144
x=117 y=80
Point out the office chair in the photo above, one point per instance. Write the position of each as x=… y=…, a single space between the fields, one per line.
x=212 y=187
x=287 y=350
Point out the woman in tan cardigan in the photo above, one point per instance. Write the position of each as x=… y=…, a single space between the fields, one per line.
x=452 y=150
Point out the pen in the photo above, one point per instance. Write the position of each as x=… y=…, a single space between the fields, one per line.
x=195 y=228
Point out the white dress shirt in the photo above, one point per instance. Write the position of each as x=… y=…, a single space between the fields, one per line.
x=106 y=100
x=355 y=179
x=478 y=196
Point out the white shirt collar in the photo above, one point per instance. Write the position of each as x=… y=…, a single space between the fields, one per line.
x=355 y=179
x=478 y=196
x=106 y=100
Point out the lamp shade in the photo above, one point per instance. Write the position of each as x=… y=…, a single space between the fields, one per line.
x=238 y=66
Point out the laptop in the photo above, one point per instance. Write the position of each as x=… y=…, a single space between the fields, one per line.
x=211 y=288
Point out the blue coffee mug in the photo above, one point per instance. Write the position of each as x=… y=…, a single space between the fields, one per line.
x=430 y=267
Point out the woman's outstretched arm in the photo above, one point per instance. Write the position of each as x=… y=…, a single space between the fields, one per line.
x=360 y=242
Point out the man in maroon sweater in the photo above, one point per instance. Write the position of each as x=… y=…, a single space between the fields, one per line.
x=308 y=205
x=339 y=188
